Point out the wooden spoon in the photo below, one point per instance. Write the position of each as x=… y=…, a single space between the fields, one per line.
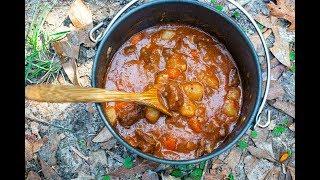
x=60 y=94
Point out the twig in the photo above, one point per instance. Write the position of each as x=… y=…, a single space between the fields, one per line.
x=79 y=153
x=48 y=124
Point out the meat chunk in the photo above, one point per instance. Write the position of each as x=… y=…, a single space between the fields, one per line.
x=174 y=96
x=129 y=113
x=147 y=142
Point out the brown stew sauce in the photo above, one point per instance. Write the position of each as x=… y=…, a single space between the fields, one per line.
x=195 y=74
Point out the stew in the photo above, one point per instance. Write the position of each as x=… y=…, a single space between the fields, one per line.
x=195 y=74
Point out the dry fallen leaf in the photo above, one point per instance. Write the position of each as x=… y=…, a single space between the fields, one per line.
x=33 y=176
x=292 y=172
x=233 y=158
x=286 y=107
x=79 y=14
x=104 y=135
x=273 y=174
x=33 y=146
x=277 y=71
x=283 y=157
x=260 y=153
x=48 y=172
x=283 y=10
x=280 y=48
x=219 y=170
x=275 y=91
x=266 y=21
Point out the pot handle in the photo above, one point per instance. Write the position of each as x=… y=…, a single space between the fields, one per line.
x=264 y=99
x=258 y=117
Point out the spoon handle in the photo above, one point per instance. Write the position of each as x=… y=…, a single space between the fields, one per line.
x=60 y=94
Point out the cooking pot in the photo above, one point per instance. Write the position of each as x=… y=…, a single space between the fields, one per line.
x=199 y=15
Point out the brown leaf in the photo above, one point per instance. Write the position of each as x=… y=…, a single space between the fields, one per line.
x=267 y=33
x=286 y=107
x=260 y=153
x=79 y=14
x=233 y=158
x=71 y=69
x=48 y=172
x=219 y=170
x=273 y=174
x=266 y=21
x=277 y=71
x=33 y=176
x=104 y=135
x=280 y=48
x=139 y=167
x=283 y=10
x=32 y=147
x=67 y=47
x=292 y=172
x=275 y=91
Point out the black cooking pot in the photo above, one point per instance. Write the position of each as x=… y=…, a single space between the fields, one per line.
x=209 y=20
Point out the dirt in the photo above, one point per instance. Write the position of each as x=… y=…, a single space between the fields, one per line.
x=70 y=128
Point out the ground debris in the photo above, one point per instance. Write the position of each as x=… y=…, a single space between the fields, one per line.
x=33 y=176
x=261 y=153
x=33 y=146
x=219 y=170
x=286 y=107
x=276 y=90
x=273 y=174
x=255 y=168
x=280 y=48
x=283 y=10
x=103 y=135
x=49 y=172
x=233 y=158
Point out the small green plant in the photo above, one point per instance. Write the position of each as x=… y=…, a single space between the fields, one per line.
x=292 y=56
x=196 y=173
x=213 y=1
x=230 y=176
x=176 y=173
x=106 y=177
x=254 y=134
x=280 y=128
x=293 y=68
x=236 y=14
x=243 y=144
x=202 y=164
x=128 y=162
x=219 y=8
x=39 y=61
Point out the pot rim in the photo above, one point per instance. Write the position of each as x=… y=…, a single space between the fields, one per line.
x=216 y=152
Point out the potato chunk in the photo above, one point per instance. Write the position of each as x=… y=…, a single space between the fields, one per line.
x=233 y=94
x=174 y=96
x=194 y=90
x=167 y=34
x=177 y=61
x=188 y=108
x=152 y=115
x=230 y=108
x=161 y=78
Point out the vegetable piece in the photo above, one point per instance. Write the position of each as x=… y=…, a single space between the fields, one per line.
x=174 y=96
x=194 y=124
x=167 y=34
x=136 y=38
x=173 y=73
x=230 y=108
x=188 y=108
x=233 y=94
x=152 y=115
x=112 y=115
x=177 y=61
x=210 y=80
x=194 y=54
x=193 y=90
x=128 y=113
x=162 y=78
x=170 y=143
x=200 y=111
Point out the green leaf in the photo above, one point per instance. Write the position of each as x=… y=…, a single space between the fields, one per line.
x=197 y=172
x=289 y=152
x=254 y=134
x=190 y=166
x=231 y=176
x=176 y=173
x=292 y=56
x=128 y=162
x=58 y=35
x=219 y=8
x=293 y=68
x=278 y=130
x=182 y=167
x=106 y=177
x=236 y=14
x=213 y=1
x=202 y=164
x=242 y=144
